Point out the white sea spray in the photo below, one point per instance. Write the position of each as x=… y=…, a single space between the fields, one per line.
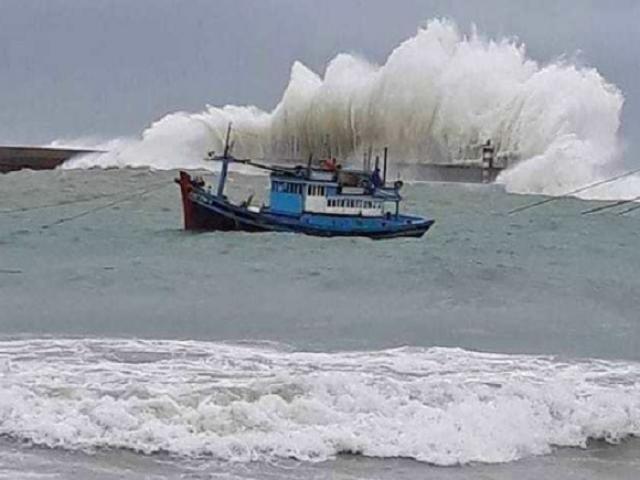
x=437 y=93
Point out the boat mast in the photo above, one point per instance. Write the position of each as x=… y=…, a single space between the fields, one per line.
x=309 y=164
x=384 y=168
x=225 y=164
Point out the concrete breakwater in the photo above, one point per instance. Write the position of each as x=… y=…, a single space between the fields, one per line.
x=35 y=158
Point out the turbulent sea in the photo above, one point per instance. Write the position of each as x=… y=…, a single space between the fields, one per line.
x=498 y=346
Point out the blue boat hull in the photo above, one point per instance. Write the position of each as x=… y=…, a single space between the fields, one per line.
x=206 y=212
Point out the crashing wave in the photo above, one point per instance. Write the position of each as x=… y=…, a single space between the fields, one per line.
x=437 y=94
x=244 y=403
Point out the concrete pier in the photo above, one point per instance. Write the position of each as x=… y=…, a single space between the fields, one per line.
x=35 y=158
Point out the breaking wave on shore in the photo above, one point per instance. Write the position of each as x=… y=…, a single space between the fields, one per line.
x=247 y=402
x=437 y=97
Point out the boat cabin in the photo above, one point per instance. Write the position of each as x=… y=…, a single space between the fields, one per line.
x=311 y=193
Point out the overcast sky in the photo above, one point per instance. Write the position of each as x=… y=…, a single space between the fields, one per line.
x=73 y=68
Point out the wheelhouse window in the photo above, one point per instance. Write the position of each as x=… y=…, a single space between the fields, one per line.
x=315 y=190
x=288 y=187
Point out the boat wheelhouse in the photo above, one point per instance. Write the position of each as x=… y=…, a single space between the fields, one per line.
x=313 y=195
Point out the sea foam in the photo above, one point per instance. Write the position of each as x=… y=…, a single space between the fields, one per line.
x=245 y=403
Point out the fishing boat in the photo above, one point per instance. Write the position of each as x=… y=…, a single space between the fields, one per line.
x=325 y=201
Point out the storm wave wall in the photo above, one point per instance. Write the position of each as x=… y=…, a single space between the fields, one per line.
x=437 y=97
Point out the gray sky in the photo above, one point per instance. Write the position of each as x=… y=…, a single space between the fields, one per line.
x=72 y=68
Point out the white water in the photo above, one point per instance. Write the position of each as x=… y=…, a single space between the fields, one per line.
x=437 y=93
x=245 y=402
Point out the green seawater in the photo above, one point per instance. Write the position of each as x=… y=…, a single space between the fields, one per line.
x=552 y=292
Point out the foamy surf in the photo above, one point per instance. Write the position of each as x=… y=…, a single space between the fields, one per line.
x=437 y=93
x=244 y=403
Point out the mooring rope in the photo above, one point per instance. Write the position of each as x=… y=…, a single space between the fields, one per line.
x=573 y=192
x=611 y=205
x=630 y=209
x=102 y=207
x=62 y=204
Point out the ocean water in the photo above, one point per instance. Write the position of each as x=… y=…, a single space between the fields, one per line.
x=497 y=346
